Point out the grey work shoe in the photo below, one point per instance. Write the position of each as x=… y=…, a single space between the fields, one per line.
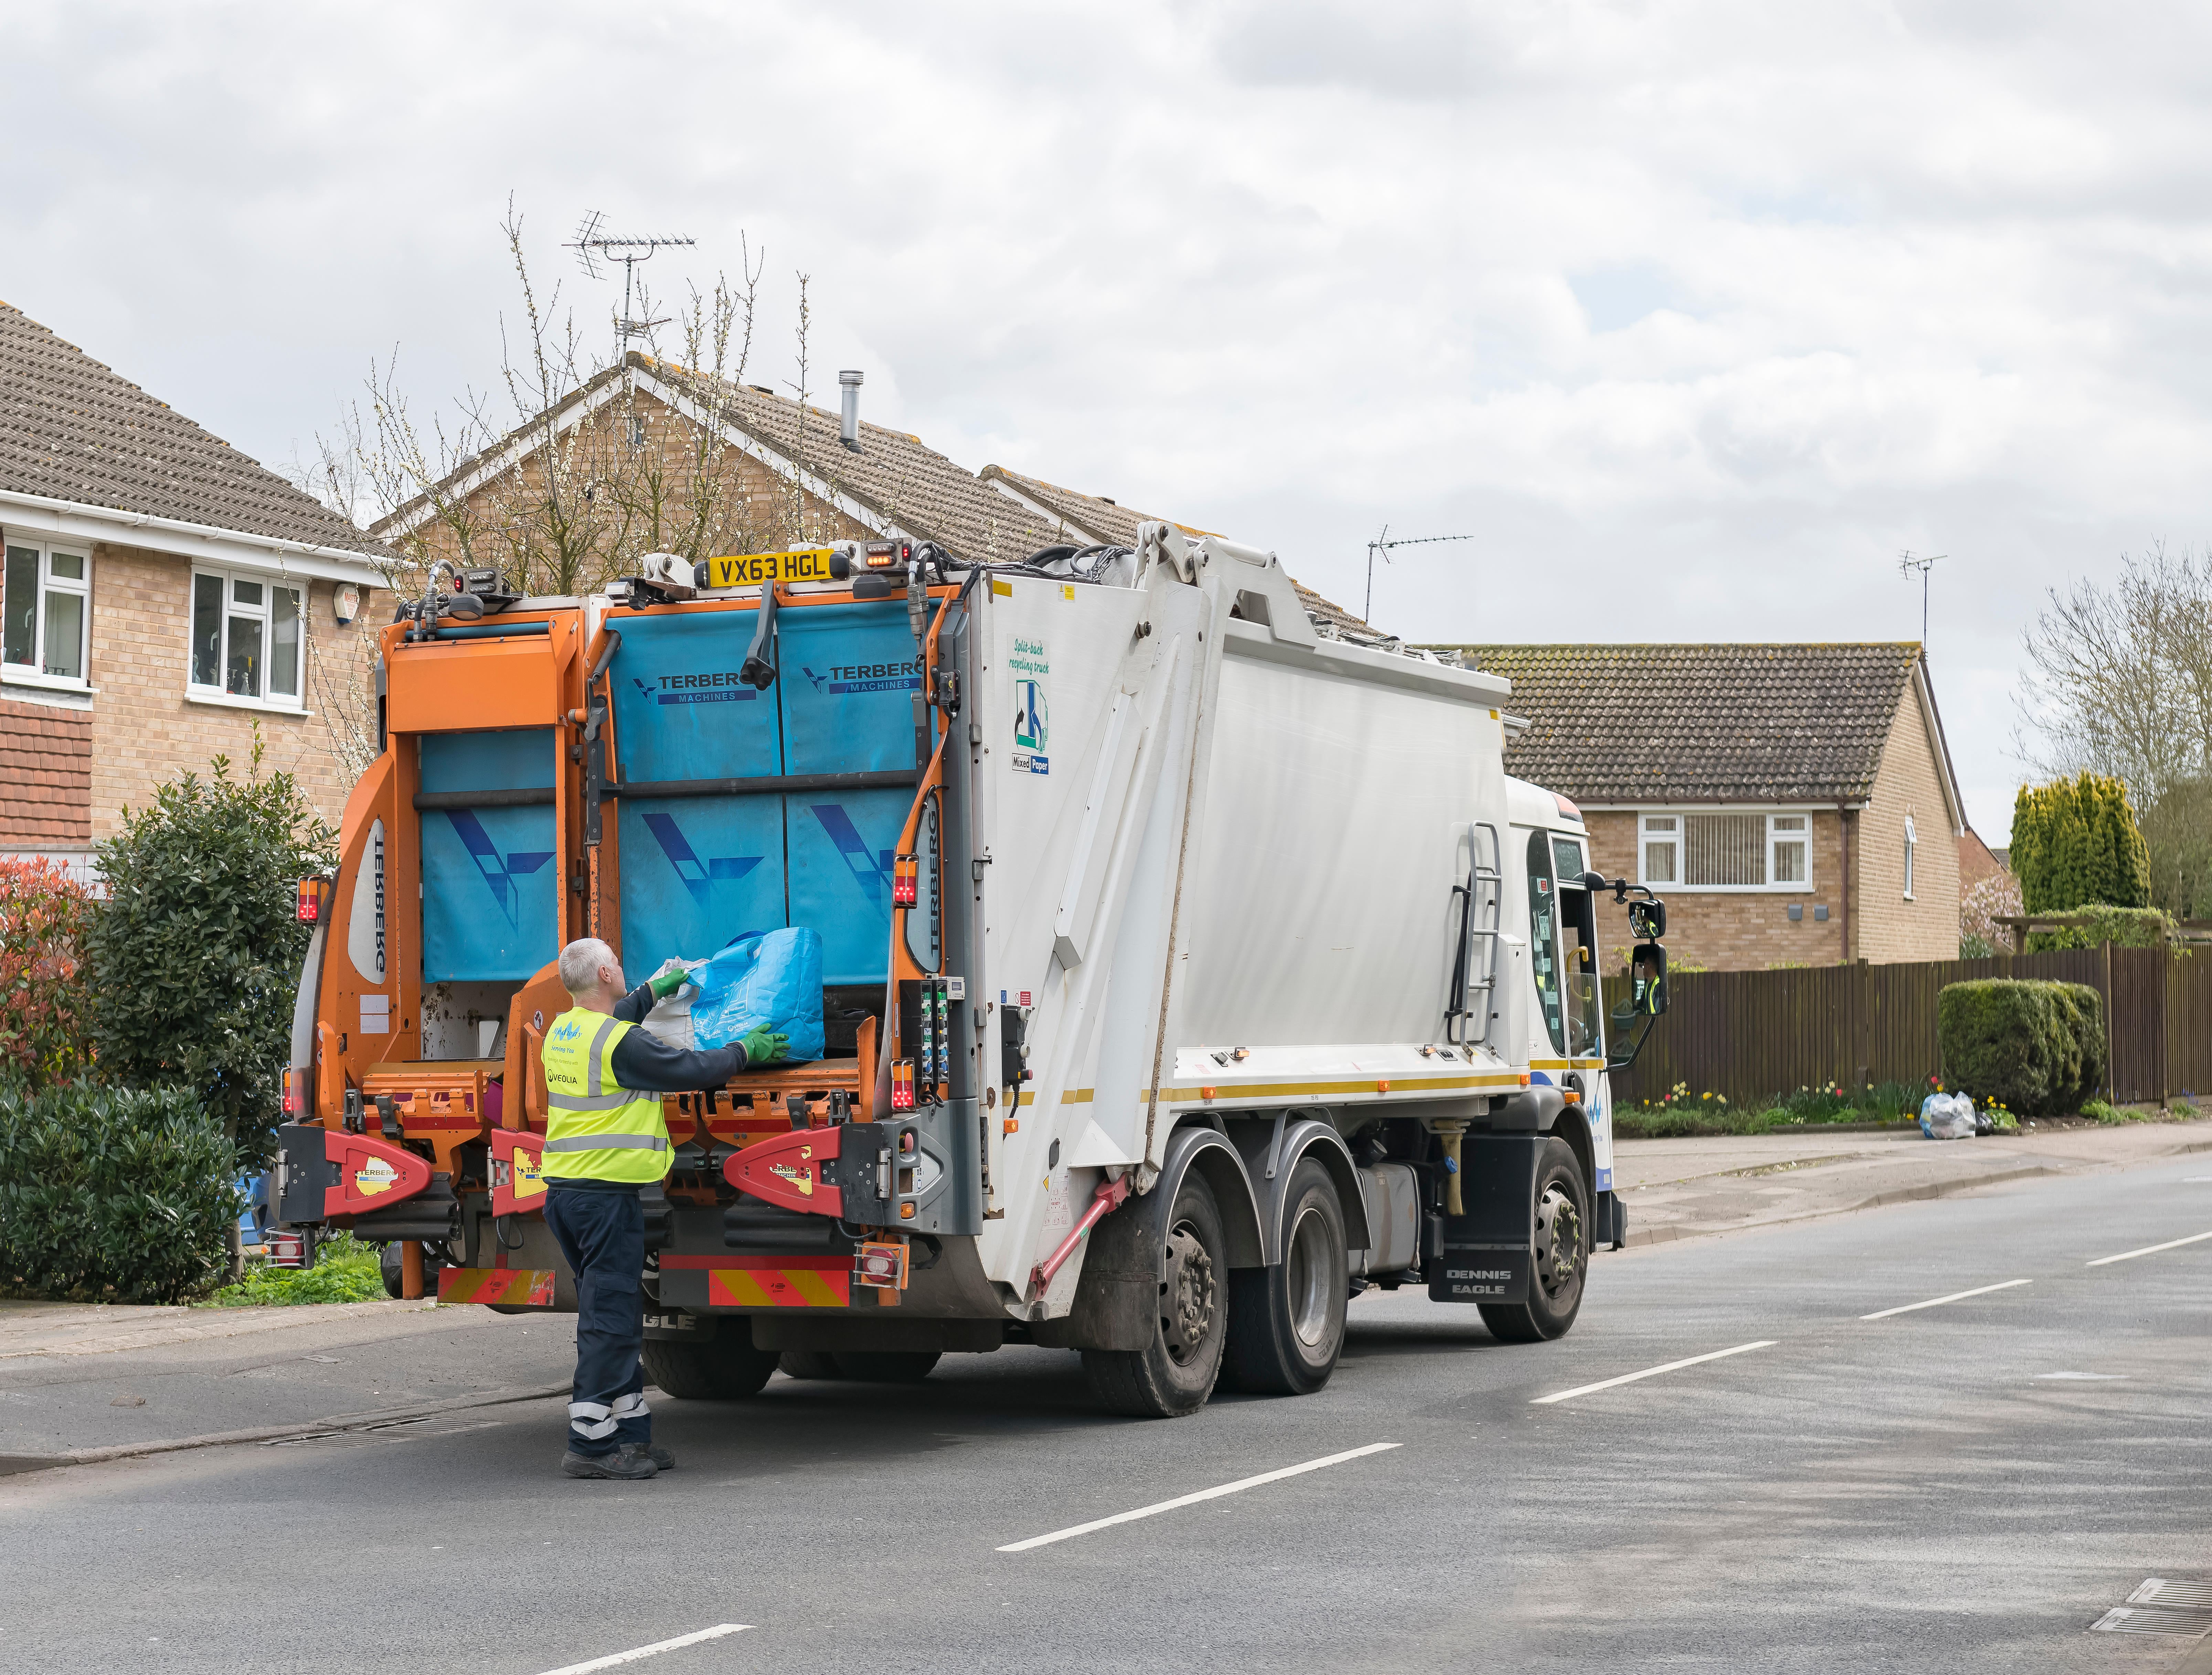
x=628 y=1463
x=662 y=1457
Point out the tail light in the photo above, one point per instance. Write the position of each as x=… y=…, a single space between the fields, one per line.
x=314 y=895
x=294 y=1096
x=885 y=554
x=902 y=1085
x=906 y=875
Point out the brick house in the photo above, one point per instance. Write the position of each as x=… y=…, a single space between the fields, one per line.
x=162 y=595
x=1795 y=805
x=782 y=471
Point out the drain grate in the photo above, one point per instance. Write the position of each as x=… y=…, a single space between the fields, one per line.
x=2181 y=1610
x=2160 y=1591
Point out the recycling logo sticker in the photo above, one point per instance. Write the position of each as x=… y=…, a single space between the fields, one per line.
x=1031 y=665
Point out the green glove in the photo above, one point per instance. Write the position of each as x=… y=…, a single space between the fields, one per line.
x=764 y=1046
x=668 y=982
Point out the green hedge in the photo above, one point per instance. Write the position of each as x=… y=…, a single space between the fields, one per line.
x=2037 y=1047
x=2123 y=927
x=113 y=1194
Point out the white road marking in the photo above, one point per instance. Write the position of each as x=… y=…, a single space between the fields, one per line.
x=2147 y=1250
x=2084 y=1377
x=1238 y=1487
x=1978 y=1291
x=1651 y=1372
x=715 y=1633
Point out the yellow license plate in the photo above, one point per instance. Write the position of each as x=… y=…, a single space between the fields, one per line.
x=750 y=570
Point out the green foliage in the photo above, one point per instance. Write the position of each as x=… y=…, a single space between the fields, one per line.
x=2129 y=927
x=2076 y=841
x=198 y=946
x=46 y=997
x=112 y=1194
x=2035 y=1047
x=345 y=1271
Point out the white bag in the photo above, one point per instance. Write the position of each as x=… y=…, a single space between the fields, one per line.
x=669 y=1020
x=1947 y=1117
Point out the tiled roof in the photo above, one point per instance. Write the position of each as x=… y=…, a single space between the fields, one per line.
x=1702 y=724
x=1109 y=521
x=70 y=429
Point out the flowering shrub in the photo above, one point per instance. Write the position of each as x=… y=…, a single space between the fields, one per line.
x=46 y=1001
x=1979 y=908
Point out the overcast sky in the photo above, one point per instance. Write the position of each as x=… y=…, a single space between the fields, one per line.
x=1691 y=316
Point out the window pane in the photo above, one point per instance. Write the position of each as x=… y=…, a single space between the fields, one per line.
x=246 y=593
x=65 y=634
x=1724 y=849
x=1659 y=862
x=66 y=566
x=1567 y=857
x=207 y=630
x=21 y=606
x=1658 y=823
x=244 y=667
x=284 y=642
x=1788 y=822
x=1544 y=941
x=1789 y=863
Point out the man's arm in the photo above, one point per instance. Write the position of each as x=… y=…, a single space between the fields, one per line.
x=645 y=1064
x=632 y=1007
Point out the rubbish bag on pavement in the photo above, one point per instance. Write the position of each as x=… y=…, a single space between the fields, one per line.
x=770 y=979
x=1947 y=1117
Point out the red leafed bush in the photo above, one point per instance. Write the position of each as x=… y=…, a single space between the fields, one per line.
x=45 y=999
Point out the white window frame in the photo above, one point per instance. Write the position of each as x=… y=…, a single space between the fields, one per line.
x=291 y=703
x=1911 y=843
x=34 y=673
x=1677 y=838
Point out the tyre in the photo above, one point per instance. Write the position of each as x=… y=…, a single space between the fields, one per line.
x=1174 y=1374
x=1287 y=1323
x=725 y=1366
x=809 y=1364
x=1555 y=1288
x=885 y=1366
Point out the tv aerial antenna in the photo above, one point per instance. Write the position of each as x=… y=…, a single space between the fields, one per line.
x=1383 y=543
x=593 y=246
x=1906 y=564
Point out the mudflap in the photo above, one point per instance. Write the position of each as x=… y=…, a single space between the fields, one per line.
x=1487 y=1253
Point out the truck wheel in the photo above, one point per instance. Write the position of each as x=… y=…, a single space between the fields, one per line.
x=885 y=1366
x=1287 y=1323
x=1174 y=1374
x=809 y=1364
x=725 y=1366
x=1555 y=1290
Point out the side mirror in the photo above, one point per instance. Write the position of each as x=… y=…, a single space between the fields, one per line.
x=1648 y=969
x=1648 y=920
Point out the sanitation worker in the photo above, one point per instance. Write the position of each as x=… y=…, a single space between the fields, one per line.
x=605 y=1141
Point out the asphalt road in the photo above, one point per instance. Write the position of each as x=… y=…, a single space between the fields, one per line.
x=1965 y=1487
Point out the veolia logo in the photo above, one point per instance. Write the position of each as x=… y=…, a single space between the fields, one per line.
x=365 y=944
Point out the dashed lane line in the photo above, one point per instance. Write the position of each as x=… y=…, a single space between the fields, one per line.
x=1236 y=1488
x=1651 y=1372
x=2151 y=1250
x=658 y=1645
x=1936 y=1302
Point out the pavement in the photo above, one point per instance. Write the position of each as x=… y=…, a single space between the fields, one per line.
x=1739 y=1459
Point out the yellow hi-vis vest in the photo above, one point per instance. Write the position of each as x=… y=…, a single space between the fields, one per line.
x=597 y=1130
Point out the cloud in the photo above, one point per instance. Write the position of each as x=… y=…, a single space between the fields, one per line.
x=1693 y=314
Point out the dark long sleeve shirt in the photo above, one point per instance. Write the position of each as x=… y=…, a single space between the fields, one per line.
x=645 y=1063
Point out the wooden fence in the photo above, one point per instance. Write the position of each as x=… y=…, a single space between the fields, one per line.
x=1751 y=1034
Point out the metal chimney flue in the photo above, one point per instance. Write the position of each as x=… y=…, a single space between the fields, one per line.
x=850 y=430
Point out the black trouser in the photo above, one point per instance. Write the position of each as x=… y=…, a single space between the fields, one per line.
x=603 y=1236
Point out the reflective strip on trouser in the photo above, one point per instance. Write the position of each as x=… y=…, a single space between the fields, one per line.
x=596 y=1129
x=602 y=1235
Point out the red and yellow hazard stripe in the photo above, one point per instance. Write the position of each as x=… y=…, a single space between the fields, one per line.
x=773 y=1282
x=530 y=1287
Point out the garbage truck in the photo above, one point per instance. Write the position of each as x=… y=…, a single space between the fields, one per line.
x=1189 y=966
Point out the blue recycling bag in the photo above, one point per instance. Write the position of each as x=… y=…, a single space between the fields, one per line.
x=763 y=980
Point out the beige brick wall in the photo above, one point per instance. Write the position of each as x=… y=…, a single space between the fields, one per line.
x=1730 y=931
x=1890 y=928
x=146 y=731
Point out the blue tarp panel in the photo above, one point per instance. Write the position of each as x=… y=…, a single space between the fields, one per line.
x=487 y=874
x=698 y=871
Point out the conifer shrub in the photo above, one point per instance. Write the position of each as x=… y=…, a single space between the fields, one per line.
x=2037 y=1048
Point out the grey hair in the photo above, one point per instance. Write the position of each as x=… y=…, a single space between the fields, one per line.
x=580 y=961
